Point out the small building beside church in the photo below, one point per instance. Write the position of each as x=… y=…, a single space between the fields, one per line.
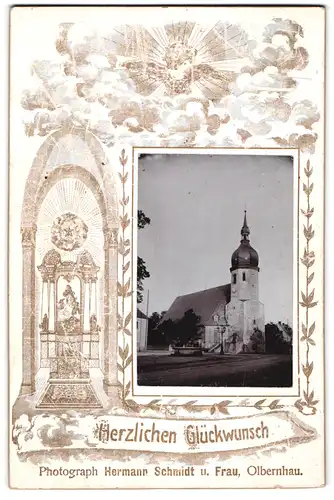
x=142 y=327
x=231 y=315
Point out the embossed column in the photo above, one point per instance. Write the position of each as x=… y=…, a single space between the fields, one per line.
x=86 y=307
x=93 y=309
x=110 y=312
x=52 y=301
x=28 y=311
x=45 y=302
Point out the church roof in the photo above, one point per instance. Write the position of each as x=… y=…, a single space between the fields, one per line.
x=204 y=303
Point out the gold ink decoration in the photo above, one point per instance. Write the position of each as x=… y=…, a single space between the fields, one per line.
x=308 y=301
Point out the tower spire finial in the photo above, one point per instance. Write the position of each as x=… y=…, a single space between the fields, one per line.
x=245 y=232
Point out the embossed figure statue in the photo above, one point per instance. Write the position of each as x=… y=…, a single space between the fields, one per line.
x=94 y=327
x=68 y=311
x=44 y=326
x=72 y=363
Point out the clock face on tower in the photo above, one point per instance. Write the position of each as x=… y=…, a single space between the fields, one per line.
x=233 y=290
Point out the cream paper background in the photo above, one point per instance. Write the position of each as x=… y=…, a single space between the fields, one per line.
x=23 y=149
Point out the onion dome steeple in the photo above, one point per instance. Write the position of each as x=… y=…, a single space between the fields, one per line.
x=245 y=232
x=245 y=256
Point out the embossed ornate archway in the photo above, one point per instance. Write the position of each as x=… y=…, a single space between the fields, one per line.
x=40 y=180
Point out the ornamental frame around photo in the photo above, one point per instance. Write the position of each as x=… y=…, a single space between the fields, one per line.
x=303 y=397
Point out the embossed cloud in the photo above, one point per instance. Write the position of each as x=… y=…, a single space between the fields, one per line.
x=92 y=84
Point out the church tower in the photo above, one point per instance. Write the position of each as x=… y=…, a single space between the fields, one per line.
x=245 y=313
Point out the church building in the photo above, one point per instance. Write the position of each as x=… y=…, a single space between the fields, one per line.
x=231 y=315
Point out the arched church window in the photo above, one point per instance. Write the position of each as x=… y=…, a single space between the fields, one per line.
x=234 y=279
x=243 y=276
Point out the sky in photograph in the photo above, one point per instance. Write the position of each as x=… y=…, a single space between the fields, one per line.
x=196 y=205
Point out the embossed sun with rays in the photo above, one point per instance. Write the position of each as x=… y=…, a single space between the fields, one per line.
x=182 y=58
x=70 y=220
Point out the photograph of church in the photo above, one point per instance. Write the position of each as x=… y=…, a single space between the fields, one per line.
x=214 y=316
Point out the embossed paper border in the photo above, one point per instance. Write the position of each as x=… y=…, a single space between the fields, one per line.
x=306 y=401
x=140 y=131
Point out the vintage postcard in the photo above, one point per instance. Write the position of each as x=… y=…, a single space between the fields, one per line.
x=166 y=247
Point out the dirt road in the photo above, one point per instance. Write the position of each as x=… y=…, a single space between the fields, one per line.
x=212 y=370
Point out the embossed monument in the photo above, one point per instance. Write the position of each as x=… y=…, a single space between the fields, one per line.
x=69 y=278
x=69 y=330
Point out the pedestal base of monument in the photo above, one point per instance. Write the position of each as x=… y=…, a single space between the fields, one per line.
x=187 y=351
x=76 y=394
x=69 y=384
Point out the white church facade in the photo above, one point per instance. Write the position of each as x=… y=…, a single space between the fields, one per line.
x=231 y=315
